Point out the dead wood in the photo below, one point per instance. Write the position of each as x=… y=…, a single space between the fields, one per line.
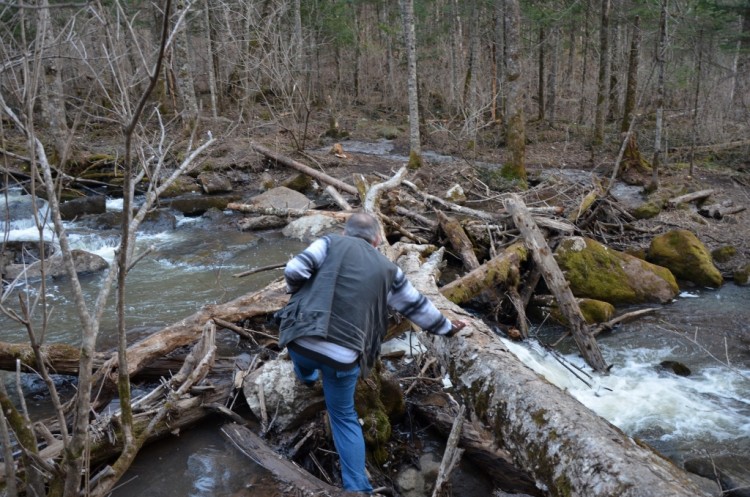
x=452 y=454
x=294 y=480
x=555 y=280
x=274 y=211
x=338 y=198
x=501 y=270
x=624 y=318
x=458 y=239
x=478 y=443
x=690 y=197
x=718 y=211
x=324 y=178
x=551 y=435
x=259 y=270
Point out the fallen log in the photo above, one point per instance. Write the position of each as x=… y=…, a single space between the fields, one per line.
x=293 y=479
x=562 y=444
x=690 y=197
x=503 y=269
x=328 y=180
x=460 y=242
x=718 y=211
x=555 y=280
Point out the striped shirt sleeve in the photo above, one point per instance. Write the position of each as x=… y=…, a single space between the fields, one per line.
x=301 y=267
x=405 y=299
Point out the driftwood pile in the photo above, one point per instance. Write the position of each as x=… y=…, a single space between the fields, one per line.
x=508 y=419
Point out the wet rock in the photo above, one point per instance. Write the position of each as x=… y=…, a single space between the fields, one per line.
x=281 y=198
x=594 y=311
x=74 y=209
x=686 y=257
x=723 y=254
x=213 y=183
x=310 y=227
x=417 y=482
x=25 y=251
x=597 y=272
x=731 y=470
x=196 y=205
x=286 y=399
x=84 y=262
x=181 y=186
x=20 y=209
x=675 y=367
x=742 y=275
x=261 y=223
x=299 y=183
x=154 y=222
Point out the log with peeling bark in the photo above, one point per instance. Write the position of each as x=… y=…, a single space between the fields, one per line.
x=690 y=197
x=719 y=211
x=459 y=240
x=555 y=280
x=562 y=444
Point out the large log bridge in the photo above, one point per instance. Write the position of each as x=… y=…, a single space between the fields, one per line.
x=561 y=443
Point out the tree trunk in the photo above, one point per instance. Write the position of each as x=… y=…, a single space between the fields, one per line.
x=515 y=130
x=553 y=73
x=212 y=91
x=660 y=53
x=631 y=89
x=604 y=67
x=540 y=72
x=460 y=242
x=184 y=72
x=563 y=445
x=410 y=40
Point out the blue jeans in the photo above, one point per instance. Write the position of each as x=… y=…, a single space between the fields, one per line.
x=338 y=390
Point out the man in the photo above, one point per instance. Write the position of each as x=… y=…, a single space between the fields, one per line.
x=342 y=288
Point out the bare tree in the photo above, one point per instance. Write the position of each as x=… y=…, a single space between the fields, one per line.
x=603 y=81
x=660 y=54
x=631 y=89
x=410 y=40
x=515 y=130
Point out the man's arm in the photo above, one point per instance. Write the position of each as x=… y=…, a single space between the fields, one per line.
x=405 y=299
x=303 y=265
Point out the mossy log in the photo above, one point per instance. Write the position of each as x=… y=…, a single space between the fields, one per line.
x=500 y=270
x=563 y=445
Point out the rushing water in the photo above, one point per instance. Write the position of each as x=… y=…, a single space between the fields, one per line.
x=707 y=412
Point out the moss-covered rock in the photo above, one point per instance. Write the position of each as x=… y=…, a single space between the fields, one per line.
x=388 y=132
x=594 y=311
x=723 y=254
x=742 y=275
x=182 y=185
x=647 y=210
x=597 y=272
x=299 y=182
x=686 y=256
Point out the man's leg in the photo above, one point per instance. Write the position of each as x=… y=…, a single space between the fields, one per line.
x=338 y=389
x=306 y=369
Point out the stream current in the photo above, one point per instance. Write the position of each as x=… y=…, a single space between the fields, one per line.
x=704 y=413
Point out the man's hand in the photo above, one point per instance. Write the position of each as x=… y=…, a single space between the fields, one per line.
x=455 y=328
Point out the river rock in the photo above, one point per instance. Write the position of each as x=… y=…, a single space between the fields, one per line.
x=731 y=470
x=686 y=257
x=84 y=262
x=597 y=272
x=287 y=401
x=310 y=227
x=20 y=209
x=742 y=275
x=76 y=208
x=196 y=205
x=181 y=186
x=281 y=198
x=213 y=183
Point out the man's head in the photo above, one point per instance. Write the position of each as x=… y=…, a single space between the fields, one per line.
x=363 y=225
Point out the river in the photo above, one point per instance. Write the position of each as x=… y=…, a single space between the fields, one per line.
x=707 y=412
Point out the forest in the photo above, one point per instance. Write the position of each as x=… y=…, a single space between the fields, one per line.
x=128 y=98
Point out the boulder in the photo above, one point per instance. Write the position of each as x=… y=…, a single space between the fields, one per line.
x=731 y=470
x=21 y=208
x=281 y=198
x=85 y=262
x=594 y=311
x=287 y=401
x=742 y=275
x=597 y=272
x=73 y=209
x=154 y=222
x=310 y=227
x=196 y=205
x=686 y=257
x=181 y=186
x=213 y=183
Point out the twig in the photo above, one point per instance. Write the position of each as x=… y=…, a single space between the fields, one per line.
x=452 y=454
x=259 y=269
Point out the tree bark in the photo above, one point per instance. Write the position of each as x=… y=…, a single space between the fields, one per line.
x=410 y=40
x=631 y=89
x=515 y=132
x=460 y=242
x=660 y=54
x=603 y=81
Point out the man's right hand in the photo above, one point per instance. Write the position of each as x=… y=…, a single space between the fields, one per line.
x=456 y=326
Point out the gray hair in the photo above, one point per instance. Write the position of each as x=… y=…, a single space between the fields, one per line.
x=363 y=225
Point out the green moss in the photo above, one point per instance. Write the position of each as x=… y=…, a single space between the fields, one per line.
x=563 y=486
x=415 y=161
x=686 y=257
x=594 y=311
x=742 y=275
x=647 y=210
x=724 y=254
x=514 y=175
x=538 y=417
x=388 y=132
